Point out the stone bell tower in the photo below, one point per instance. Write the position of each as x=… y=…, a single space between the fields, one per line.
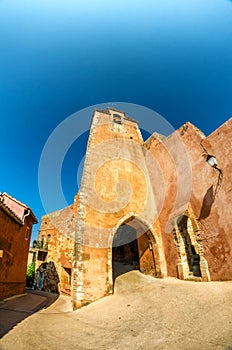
x=116 y=209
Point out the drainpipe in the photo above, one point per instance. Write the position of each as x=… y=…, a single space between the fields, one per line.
x=28 y=213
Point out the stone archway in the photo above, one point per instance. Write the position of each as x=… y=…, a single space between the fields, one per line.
x=133 y=247
x=125 y=254
x=192 y=264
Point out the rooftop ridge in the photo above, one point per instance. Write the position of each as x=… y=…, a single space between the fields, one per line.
x=228 y=121
x=55 y=212
x=16 y=200
x=10 y=212
x=20 y=203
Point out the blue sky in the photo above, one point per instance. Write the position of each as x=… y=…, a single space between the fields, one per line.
x=58 y=57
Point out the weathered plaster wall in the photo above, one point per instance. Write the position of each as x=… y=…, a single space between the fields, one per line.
x=212 y=201
x=115 y=186
x=14 y=244
x=163 y=177
x=149 y=186
x=184 y=176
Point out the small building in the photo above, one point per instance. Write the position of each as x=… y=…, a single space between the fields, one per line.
x=16 y=221
x=55 y=250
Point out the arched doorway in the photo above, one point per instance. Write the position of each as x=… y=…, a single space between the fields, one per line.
x=192 y=258
x=133 y=248
x=192 y=264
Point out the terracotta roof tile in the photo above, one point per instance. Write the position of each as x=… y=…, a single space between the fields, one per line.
x=11 y=210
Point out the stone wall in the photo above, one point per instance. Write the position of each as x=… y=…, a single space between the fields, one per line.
x=57 y=230
x=50 y=278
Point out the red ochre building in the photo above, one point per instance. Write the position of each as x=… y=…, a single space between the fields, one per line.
x=175 y=221
x=16 y=221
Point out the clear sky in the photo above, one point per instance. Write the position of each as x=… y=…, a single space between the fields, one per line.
x=60 y=56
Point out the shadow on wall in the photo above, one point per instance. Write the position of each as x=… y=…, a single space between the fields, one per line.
x=207 y=203
x=210 y=196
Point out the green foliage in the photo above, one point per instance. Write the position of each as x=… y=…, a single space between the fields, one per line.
x=30 y=274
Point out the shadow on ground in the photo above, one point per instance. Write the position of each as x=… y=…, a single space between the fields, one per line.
x=13 y=311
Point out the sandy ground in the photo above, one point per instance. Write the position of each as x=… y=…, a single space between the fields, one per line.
x=144 y=313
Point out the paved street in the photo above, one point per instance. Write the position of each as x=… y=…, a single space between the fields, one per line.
x=144 y=313
x=18 y=308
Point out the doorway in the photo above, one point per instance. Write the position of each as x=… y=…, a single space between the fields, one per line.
x=189 y=258
x=133 y=249
x=125 y=254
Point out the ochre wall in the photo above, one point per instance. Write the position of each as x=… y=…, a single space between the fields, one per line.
x=212 y=202
x=115 y=186
x=153 y=183
x=15 y=248
x=163 y=177
x=184 y=176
